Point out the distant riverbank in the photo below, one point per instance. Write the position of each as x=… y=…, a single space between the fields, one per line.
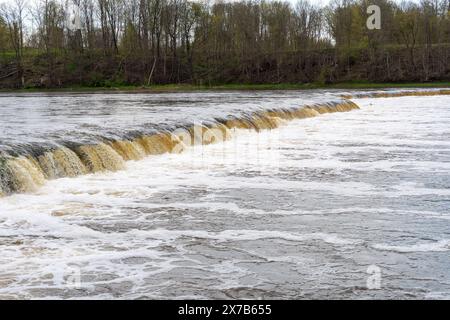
x=279 y=86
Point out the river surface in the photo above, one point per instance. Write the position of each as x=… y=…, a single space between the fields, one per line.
x=344 y=205
x=38 y=120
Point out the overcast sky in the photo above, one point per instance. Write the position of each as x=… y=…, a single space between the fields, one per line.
x=320 y=2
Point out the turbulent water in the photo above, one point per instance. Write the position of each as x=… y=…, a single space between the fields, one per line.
x=80 y=118
x=341 y=205
x=47 y=137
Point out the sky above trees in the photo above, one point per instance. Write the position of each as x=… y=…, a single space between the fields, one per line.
x=319 y=2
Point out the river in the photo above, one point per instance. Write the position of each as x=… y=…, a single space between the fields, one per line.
x=342 y=205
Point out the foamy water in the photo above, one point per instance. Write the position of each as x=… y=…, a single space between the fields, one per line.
x=302 y=211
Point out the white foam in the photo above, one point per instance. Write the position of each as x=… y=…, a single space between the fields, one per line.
x=241 y=235
x=438 y=246
x=224 y=210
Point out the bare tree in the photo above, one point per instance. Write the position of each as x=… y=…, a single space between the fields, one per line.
x=14 y=16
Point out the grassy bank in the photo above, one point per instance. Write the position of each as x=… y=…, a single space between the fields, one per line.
x=281 y=86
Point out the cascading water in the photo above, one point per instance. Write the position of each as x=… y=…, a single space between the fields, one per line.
x=25 y=167
x=28 y=171
x=251 y=195
x=397 y=93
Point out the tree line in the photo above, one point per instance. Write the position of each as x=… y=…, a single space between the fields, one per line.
x=51 y=43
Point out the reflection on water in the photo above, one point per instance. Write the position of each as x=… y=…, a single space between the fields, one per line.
x=302 y=211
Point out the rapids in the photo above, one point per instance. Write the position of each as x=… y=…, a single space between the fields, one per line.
x=265 y=197
x=71 y=135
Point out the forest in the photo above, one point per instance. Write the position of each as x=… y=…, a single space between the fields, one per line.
x=108 y=43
